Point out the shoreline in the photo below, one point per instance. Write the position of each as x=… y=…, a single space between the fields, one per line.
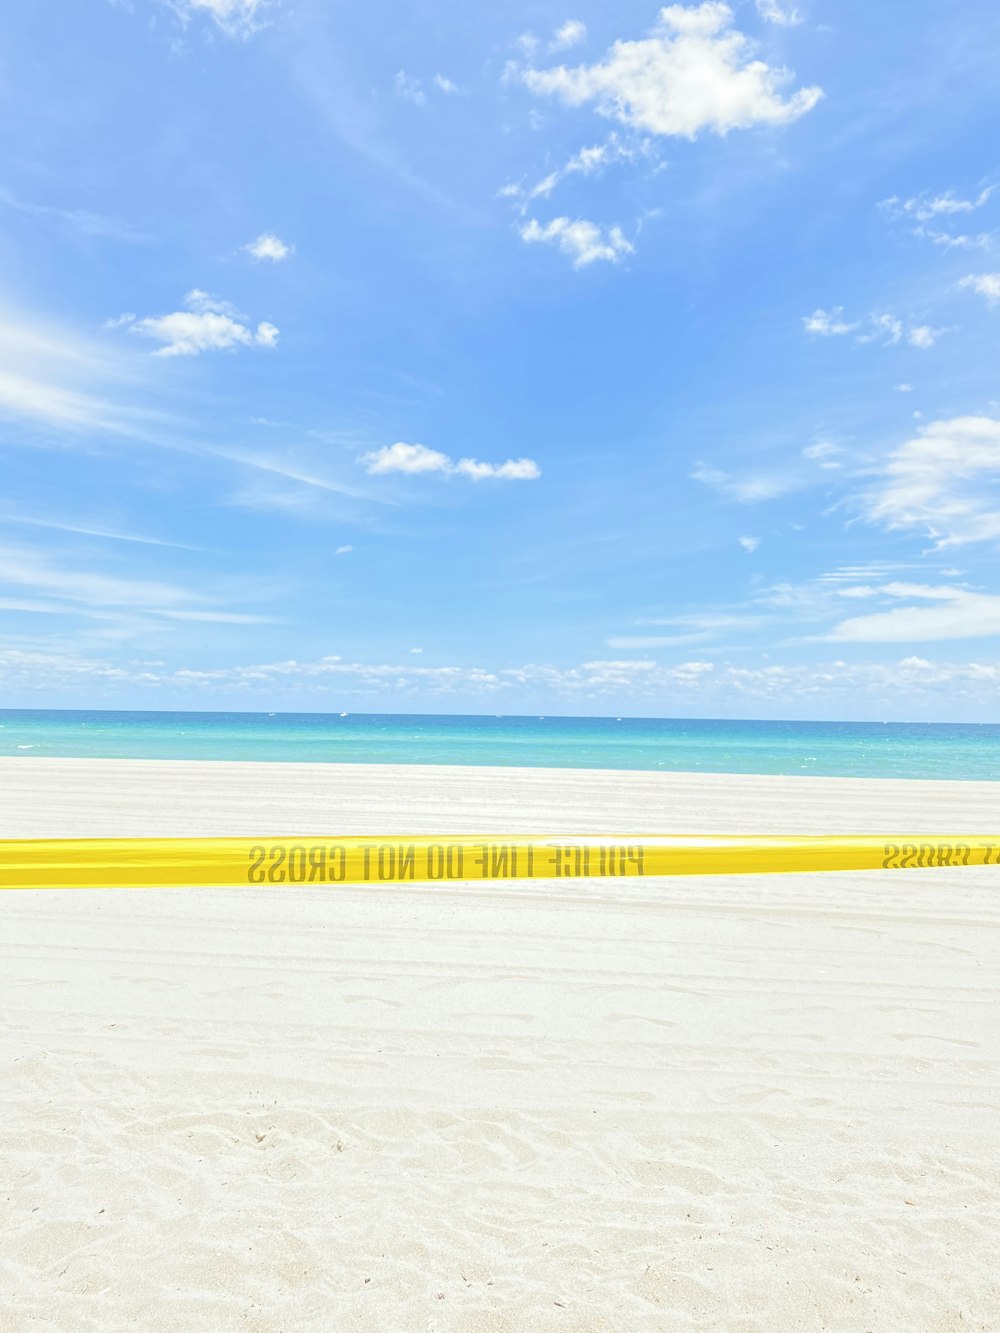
x=205 y=797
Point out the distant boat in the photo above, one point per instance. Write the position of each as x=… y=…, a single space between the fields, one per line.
x=343 y=715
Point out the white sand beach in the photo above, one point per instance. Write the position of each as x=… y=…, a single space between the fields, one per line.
x=753 y=1104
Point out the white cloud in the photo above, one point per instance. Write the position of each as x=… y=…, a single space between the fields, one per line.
x=269 y=246
x=445 y=85
x=986 y=284
x=585 y=162
x=955 y=613
x=823 y=453
x=923 y=207
x=88 y=530
x=343 y=550
x=828 y=323
x=951 y=241
x=589 y=160
x=416 y=650
x=745 y=490
x=79 y=221
x=412 y=458
x=572 y=33
x=904 y=388
x=772 y=12
x=970 y=686
x=415 y=459
x=582 y=241
x=886 y=329
x=923 y=336
x=55 y=378
x=26 y=568
x=749 y=544
x=208 y=324
x=21 y=395
x=694 y=72
x=944 y=481
x=515 y=469
x=236 y=18
x=221 y=617
x=410 y=88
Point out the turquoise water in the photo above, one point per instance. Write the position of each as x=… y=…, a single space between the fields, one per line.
x=831 y=749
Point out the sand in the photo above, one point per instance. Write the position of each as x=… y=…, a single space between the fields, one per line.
x=759 y=1103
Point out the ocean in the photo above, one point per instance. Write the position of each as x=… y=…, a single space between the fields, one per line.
x=826 y=749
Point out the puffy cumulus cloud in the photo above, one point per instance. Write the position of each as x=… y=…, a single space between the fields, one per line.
x=828 y=323
x=986 y=284
x=945 y=481
x=415 y=459
x=412 y=458
x=269 y=246
x=749 y=544
x=208 y=324
x=923 y=336
x=581 y=241
x=694 y=72
x=571 y=33
x=236 y=18
x=615 y=684
x=514 y=469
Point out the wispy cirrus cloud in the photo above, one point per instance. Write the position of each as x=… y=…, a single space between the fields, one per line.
x=748 y=488
x=786 y=16
x=59 y=379
x=79 y=222
x=587 y=161
x=941 y=613
x=236 y=18
x=945 y=481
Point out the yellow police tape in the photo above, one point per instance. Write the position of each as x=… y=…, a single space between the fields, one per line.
x=90 y=863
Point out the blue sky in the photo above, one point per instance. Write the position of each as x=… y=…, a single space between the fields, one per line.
x=587 y=359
